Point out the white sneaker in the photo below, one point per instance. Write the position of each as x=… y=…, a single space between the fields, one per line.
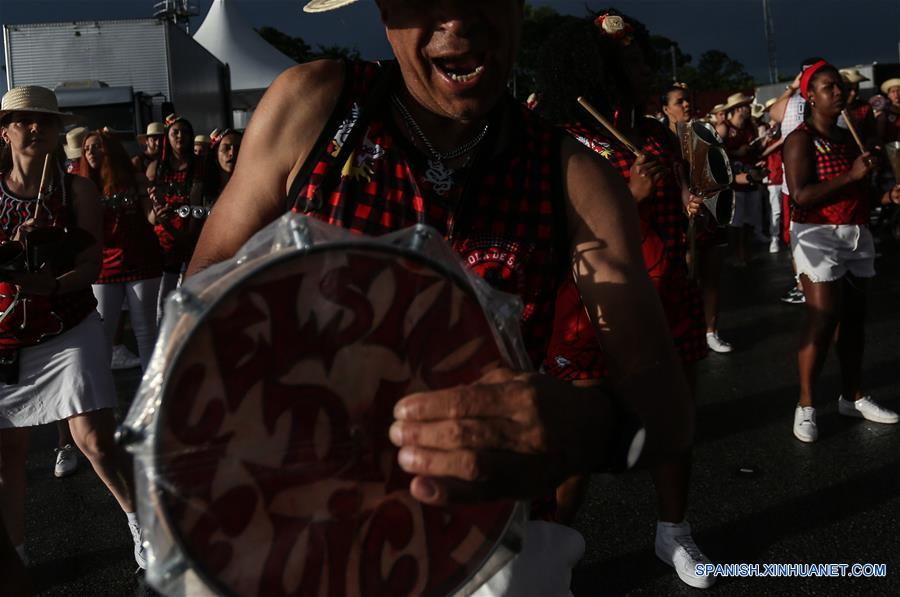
x=137 y=535
x=805 y=428
x=868 y=409
x=66 y=461
x=774 y=245
x=122 y=358
x=676 y=547
x=716 y=344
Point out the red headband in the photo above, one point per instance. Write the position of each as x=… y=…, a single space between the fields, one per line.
x=807 y=76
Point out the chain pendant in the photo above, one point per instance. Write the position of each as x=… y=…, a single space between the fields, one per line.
x=440 y=177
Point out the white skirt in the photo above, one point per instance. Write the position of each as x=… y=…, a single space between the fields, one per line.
x=66 y=376
x=828 y=252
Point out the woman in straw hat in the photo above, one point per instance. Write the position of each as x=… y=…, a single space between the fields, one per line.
x=176 y=183
x=740 y=134
x=152 y=142
x=833 y=250
x=600 y=59
x=888 y=123
x=132 y=261
x=55 y=363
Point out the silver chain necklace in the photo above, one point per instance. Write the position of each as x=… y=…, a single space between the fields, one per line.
x=438 y=174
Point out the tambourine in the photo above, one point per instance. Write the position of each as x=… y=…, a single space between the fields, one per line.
x=261 y=426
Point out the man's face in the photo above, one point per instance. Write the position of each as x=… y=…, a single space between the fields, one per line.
x=153 y=144
x=456 y=55
x=894 y=95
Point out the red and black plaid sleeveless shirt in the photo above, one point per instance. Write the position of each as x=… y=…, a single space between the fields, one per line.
x=847 y=206
x=508 y=225
x=42 y=316
x=574 y=351
x=173 y=190
x=130 y=248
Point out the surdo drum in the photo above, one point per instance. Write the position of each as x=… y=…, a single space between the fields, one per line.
x=261 y=427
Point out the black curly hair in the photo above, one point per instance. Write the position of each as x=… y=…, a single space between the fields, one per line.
x=577 y=60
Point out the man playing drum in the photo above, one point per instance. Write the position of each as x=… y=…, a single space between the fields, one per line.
x=434 y=138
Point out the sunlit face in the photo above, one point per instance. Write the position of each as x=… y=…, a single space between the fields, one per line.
x=456 y=56
x=894 y=95
x=826 y=93
x=31 y=134
x=93 y=151
x=678 y=108
x=227 y=152
x=152 y=144
x=179 y=137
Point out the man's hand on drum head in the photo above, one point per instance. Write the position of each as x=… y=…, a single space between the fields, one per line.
x=511 y=435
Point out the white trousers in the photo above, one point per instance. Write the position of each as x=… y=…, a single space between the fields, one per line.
x=141 y=297
x=775 y=211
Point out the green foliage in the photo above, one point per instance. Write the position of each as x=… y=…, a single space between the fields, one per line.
x=714 y=70
x=298 y=50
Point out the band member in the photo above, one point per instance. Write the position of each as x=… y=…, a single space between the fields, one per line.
x=717 y=115
x=860 y=111
x=888 y=122
x=833 y=249
x=175 y=182
x=72 y=148
x=709 y=239
x=601 y=59
x=152 y=142
x=435 y=138
x=55 y=362
x=739 y=133
x=132 y=262
x=220 y=162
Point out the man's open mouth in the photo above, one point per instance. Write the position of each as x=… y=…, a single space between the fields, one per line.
x=463 y=68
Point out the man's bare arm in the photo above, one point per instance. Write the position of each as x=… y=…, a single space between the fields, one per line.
x=279 y=139
x=621 y=301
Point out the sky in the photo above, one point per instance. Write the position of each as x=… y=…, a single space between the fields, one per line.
x=847 y=32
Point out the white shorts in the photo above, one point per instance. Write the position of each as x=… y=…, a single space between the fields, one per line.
x=65 y=376
x=828 y=252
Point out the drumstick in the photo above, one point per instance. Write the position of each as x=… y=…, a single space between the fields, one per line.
x=606 y=124
x=37 y=209
x=853 y=132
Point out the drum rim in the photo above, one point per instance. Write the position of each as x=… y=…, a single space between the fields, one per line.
x=253 y=269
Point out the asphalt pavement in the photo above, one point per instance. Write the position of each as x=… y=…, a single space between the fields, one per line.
x=835 y=501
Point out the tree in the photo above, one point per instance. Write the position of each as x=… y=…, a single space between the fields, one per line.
x=298 y=50
x=716 y=70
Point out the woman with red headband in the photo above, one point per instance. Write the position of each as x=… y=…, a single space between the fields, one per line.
x=175 y=186
x=132 y=262
x=220 y=163
x=833 y=250
x=608 y=61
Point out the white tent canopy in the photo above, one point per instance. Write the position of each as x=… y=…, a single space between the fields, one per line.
x=253 y=62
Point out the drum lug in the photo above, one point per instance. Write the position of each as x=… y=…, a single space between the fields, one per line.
x=301 y=235
x=187 y=302
x=421 y=235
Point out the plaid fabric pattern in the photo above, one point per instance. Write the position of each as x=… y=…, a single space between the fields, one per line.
x=849 y=205
x=44 y=314
x=130 y=247
x=574 y=350
x=734 y=140
x=173 y=190
x=503 y=224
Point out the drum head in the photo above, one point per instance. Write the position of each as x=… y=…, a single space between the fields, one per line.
x=274 y=472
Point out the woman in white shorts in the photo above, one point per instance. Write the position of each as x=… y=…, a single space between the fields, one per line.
x=54 y=359
x=832 y=247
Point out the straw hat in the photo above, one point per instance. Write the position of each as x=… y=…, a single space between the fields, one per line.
x=325 y=5
x=737 y=99
x=154 y=129
x=201 y=139
x=717 y=108
x=74 y=140
x=769 y=103
x=32 y=98
x=757 y=110
x=886 y=86
x=851 y=75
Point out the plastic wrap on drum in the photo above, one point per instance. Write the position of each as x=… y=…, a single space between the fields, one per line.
x=260 y=427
